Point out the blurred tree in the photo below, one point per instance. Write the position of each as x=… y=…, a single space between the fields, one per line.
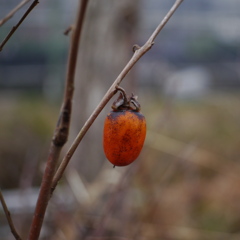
x=106 y=43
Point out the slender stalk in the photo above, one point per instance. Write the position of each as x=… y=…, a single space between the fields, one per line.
x=139 y=52
x=32 y=6
x=62 y=129
x=165 y=20
x=8 y=216
x=13 y=11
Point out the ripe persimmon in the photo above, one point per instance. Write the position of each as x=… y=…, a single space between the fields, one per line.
x=124 y=131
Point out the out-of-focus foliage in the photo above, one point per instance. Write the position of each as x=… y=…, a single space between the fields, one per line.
x=26 y=127
x=183 y=186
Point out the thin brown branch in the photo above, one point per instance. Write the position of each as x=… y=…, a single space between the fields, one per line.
x=31 y=7
x=8 y=216
x=13 y=11
x=165 y=20
x=139 y=52
x=62 y=129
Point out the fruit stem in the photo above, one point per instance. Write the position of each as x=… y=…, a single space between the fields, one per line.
x=125 y=98
x=123 y=102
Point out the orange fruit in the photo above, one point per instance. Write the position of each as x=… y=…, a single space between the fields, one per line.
x=123 y=136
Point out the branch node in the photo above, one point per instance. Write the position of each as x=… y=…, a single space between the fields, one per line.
x=68 y=30
x=135 y=47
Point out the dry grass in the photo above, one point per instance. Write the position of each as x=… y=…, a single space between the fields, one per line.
x=185 y=184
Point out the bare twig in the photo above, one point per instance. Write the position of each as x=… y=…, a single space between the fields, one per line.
x=138 y=53
x=68 y=30
x=62 y=129
x=18 y=24
x=8 y=216
x=164 y=21
x=11 y=13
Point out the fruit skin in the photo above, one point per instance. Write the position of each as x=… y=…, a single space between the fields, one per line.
x=123 y=136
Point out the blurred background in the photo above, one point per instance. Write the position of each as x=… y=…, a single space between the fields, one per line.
x=185 y=183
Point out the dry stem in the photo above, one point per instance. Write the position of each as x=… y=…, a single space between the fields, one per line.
x=19 y=23
x=8 y=216
x=11 y=13
x=62 y=129
x=139 y=52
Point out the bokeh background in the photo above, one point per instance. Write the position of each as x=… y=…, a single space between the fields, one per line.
x=185 y=184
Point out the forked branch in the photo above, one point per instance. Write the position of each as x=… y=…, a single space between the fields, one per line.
x=138 y=53
x=32 y=6
x=11 y=13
